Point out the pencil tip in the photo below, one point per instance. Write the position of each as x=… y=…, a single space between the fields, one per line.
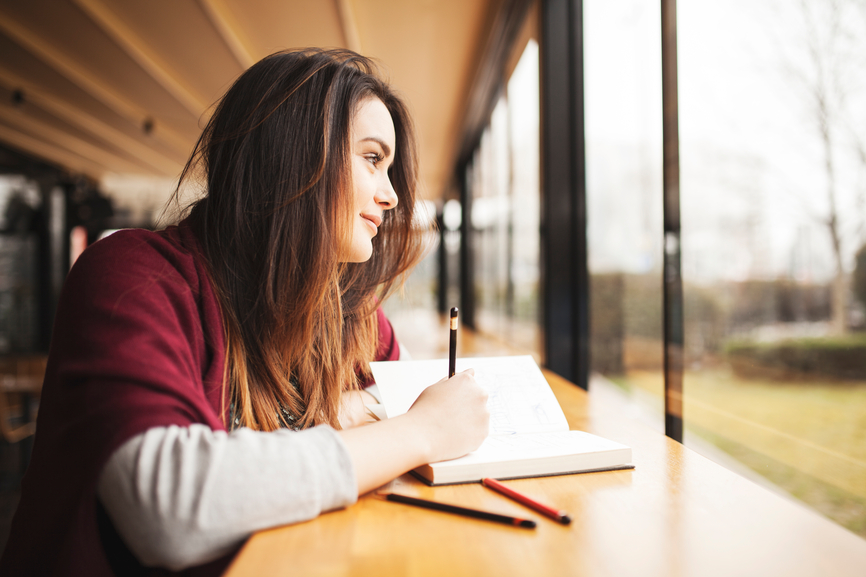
x=565 y=519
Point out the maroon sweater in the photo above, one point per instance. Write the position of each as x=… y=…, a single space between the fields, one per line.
x=137 y=343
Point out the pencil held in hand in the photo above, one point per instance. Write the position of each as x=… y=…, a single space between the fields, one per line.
x=452 y=345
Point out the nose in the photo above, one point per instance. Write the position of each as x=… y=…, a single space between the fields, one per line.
x=386 y=197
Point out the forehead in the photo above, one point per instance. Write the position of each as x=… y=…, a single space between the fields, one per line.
x=372 y=120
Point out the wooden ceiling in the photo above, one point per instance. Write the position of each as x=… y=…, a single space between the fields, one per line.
x=110 y=88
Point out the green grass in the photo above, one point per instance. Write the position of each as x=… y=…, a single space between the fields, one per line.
x=845 y=508
x=851 y=340
x=808 y=437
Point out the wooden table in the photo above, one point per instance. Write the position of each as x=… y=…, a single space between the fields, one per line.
x=676 y=514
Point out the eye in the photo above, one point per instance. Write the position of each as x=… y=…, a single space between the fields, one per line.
x=374 y=158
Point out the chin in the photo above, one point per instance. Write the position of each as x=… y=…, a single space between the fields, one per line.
x=361 y=255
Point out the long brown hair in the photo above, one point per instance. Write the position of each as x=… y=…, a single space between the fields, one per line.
x=275 y=156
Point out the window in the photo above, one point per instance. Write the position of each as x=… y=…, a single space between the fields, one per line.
x=772 y=122
x=503 y=177
x=773 y=193
x=624 y=192
x=20 y=201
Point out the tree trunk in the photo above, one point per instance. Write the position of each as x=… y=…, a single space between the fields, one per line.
x=839 y=324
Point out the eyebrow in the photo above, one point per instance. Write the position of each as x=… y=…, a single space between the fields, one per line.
x=385 y=148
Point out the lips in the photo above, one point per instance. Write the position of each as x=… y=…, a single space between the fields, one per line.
x=374 y=220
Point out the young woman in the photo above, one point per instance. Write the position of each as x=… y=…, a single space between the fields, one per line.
x=205 y=381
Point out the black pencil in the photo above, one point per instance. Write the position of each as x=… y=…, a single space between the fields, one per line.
x=516 y=521
x=452 y=345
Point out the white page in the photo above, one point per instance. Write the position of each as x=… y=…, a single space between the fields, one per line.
x=520 y=398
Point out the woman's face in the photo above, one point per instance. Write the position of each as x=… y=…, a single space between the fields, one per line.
x=373 y=143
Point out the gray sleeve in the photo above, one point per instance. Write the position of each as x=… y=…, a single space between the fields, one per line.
x=182 y=496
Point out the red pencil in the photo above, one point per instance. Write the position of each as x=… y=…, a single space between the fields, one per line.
x=560 y=516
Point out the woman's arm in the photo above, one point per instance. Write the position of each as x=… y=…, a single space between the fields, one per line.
x=448 y=420
x=182 y=496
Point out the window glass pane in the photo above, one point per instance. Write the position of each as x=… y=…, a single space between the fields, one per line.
x=624 y=189
x=491 y=214
x=523 y=124
x=504 y=181
x=773 y=191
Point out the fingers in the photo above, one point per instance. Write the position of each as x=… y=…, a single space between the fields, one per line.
x=455 y=412
x=459 y=376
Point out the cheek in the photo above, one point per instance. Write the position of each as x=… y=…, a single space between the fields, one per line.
x=365 y=189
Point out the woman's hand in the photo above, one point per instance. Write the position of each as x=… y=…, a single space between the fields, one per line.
x=454 y=414
x=448 y=420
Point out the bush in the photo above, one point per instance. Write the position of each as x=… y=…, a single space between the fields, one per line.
x=841 y=357
x=626 y=321
x=606 y=323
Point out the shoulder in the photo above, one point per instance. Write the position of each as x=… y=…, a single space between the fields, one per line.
x=133 y=251
x=135 y=261
x=138 y=284
x=137 y=308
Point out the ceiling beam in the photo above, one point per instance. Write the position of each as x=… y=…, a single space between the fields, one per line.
x=229 y=30
x=137 y=49
x=349 y=25
x=76 y=74
x=64 y=111
x=51 y=153
x=489 y=79
x=62 y=139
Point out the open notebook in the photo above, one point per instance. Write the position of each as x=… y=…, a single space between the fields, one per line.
x=529 y=434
